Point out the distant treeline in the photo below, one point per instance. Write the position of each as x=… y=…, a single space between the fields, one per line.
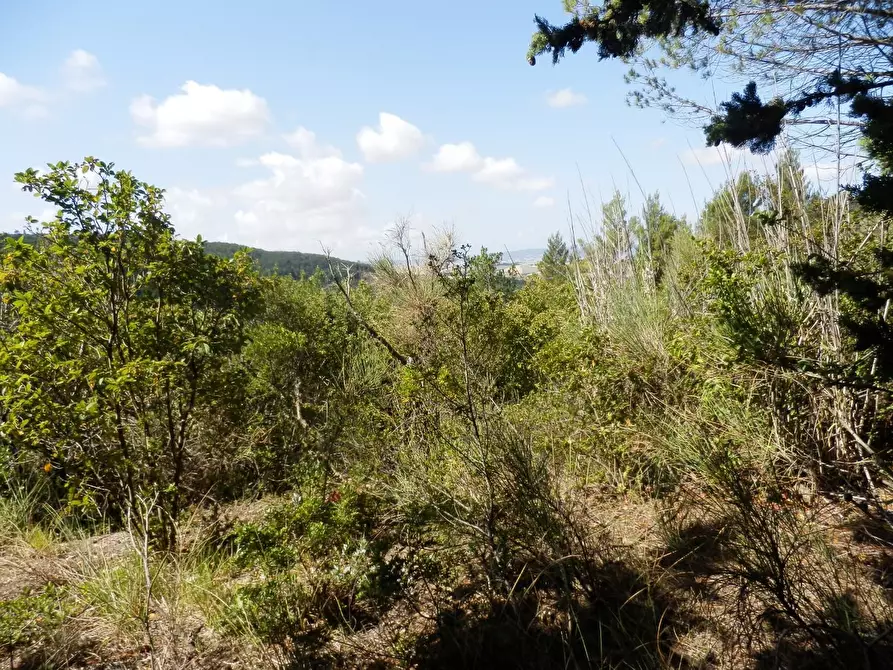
x=292 y=263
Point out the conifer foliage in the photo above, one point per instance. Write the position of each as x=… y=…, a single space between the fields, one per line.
x=622 y=29
x=553 y=264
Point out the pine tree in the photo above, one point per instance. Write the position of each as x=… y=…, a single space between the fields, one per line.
x=861 y=78
x=856 y=76
x=622 y=29
x=732 y=212
x=653 y=231
x=553 y=265
x=799 y=42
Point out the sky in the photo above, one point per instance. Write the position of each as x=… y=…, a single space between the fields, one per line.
x=302 y=125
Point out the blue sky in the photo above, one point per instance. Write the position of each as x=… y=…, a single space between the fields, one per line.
x=287 y=125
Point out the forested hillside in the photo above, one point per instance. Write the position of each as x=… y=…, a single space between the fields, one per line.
x=291 y=263
x=669 y=448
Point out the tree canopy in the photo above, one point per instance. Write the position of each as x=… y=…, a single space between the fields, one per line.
x=289 y=263
x=858 y=72
x=553 y=264
x=854 y=69
x=825 y=54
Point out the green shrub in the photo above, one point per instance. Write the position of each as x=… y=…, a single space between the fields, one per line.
x=313 y=381
x=116 y=337
x=33 y=616
x=322 y=560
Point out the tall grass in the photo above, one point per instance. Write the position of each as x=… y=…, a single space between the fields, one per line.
x=21 y=506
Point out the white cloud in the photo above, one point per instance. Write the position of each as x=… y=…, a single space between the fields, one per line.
x=305 y=198
x=462 y=157
x=187 y=200
x=733 y=161
x=394 y=139
x=498 y=171
x=202 y=115
x=82 y=72
x=504 y=173
x=301 y=197
x=827 y=175
x=16 y=205
x=730 y=160
x=297 y=186
x=196 y=212
x=565 y=98
x=705 y=156
x=305 y=142
x=27 y=99
x=17 y=220
x=544 y=201
x=14 y=93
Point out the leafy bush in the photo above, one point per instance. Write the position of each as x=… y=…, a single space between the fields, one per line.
x=30 y=618
x=323 y=559
x=116 y=337
x=310 y=373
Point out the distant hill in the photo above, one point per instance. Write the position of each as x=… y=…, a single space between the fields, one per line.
x=523 y=256
x=292 y=263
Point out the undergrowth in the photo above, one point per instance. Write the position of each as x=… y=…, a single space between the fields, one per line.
x=668 y=451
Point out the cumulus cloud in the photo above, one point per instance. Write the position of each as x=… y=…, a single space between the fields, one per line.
x=82 y=72
x=187 y=201
x=565 y=98
x=462 y=157
x=202 y=115
x=299 y=198
x=197 y=212
x=503 y=173
x=544 y=201
x=304 y=198
x=394 y=139
x=305 y=142
x=30 y=100
x=498 y=171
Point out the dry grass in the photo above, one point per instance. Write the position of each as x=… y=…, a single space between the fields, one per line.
x=677 y=561
x=113 y=619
